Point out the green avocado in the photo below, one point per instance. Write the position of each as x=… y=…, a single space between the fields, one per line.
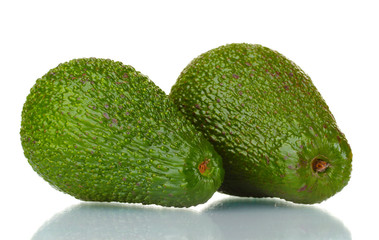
x=101 y=131
x=264 y=116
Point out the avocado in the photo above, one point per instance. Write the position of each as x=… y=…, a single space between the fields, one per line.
x=101 y=131
x=266 y=119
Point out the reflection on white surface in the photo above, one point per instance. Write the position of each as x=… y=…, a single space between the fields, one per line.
x=231 y=218
x=247 y=218
x=124 y=221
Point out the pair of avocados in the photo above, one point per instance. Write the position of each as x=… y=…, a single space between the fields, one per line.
x=241 y=119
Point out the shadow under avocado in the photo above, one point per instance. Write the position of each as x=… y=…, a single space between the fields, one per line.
x=249 y=218
x=230 y=218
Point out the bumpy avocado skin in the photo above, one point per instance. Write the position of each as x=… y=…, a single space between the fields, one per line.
x=101 y=131
x=267 y=120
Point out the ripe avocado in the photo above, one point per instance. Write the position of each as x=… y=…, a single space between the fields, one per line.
x=264 y=116
x=101 y=131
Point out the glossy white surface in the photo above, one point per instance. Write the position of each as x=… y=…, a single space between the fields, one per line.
x=335 y=42
x=231 y=218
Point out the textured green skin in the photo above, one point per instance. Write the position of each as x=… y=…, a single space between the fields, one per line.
x=267 y=120
x=101 y=131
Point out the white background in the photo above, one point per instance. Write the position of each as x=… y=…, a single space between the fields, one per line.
x=335 y=42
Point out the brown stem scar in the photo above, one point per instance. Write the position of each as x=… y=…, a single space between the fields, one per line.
x=203 y=166
x=319 y=165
